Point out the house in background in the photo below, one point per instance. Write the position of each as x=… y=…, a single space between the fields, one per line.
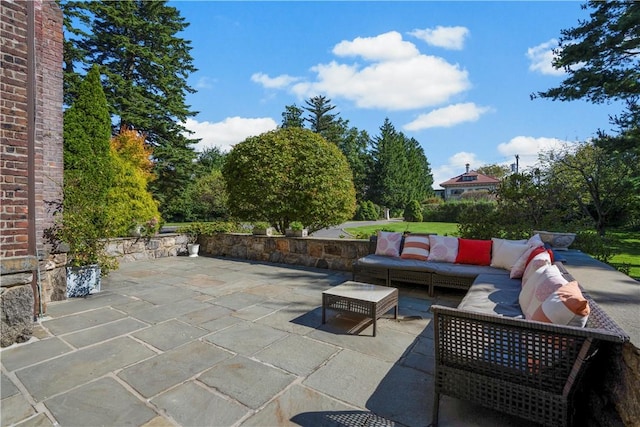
x=468 y=181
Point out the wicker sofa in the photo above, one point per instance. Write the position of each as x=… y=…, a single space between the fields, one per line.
x=488 y=353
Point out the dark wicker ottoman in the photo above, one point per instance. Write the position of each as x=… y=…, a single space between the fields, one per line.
x=361 y=298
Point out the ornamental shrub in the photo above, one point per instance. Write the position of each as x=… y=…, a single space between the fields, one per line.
x=367 y=211
x=413 y=212
x=289 y=174
x=129 y=203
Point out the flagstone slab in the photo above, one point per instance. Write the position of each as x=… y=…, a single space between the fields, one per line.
x=254 y=312
x=299 y=406
x=249 y=382
x=70 y=370
x=35 y=352
x=167 y=295
x=104 y=402
x=161 y=313
x=238 y=300
x=15 y=408
x=170 y=334
x=206 y=314
x=246 y=338
x=349 y=376
x=221 y=323
x=389 y=344
x=298 y=355
x=7 y=387
x=104 y=332
x=87 y=319
x=191 y=404
x=90 y=302
x=299 y=319
x=165 y=370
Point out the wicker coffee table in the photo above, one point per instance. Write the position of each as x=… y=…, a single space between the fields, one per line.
x=361 y=298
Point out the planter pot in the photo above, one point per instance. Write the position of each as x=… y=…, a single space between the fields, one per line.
x=82 y=281
x=136 y=231
x=557 y=240
x=296 y=233
x=193 y=249
x=263 y=231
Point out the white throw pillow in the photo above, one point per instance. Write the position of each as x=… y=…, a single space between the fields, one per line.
x=505 y=253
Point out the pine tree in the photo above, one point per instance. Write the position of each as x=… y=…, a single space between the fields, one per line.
x=292 y=117
x=145 y=66
x=88 y=173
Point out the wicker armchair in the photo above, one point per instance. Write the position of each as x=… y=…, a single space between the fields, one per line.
x=520 y=367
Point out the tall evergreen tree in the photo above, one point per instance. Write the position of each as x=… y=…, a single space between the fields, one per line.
x=87 y=131
x=321 y=120
x=146 y=66
x=292 y=117
x=602 y=59
x=88 y=173
x=387 y=183
x=400 y=172
x=354 y=145
x=420 y=182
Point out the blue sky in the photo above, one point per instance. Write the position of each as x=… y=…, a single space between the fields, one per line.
x=456 y=76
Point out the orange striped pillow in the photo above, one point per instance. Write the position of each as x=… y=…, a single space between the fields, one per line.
x=416 y=246
x=565 y=306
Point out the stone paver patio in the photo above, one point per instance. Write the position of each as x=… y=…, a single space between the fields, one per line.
x=218 y=342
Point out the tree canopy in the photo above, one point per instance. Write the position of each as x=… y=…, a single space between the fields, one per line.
x=602 y=58
x=400 y=171
x=145 y=65
x=289 y=174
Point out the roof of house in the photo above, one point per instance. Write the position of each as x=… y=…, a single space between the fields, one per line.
x=470 y=179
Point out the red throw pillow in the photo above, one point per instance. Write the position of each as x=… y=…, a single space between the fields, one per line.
x=474 y=252
x=538 y=251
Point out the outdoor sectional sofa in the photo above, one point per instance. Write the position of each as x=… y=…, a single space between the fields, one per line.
x=487 y=351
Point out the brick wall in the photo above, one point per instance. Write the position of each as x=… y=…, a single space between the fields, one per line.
x=15 y=156
x=13 y=110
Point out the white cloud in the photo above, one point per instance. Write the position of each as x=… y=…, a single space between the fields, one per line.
x=205 y=83
x=227 y=133
x=455 y=165
x=396 y=77
x=446 y=37
x=447 y=116
x=279 y=82
x=541 y=58
x=385 y=47
x=528 y=148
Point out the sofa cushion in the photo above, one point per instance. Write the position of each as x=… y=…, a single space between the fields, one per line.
x=505 y=253
x=493 y=294
x=443 y=248
x=447 y=269
x=541 y=283
x=474 y=252
x=388 y=243
x=518 y=268
x=416 y=246
x=565 y=306
x=540 y=257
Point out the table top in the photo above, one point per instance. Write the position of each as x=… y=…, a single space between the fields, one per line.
x=361 y=291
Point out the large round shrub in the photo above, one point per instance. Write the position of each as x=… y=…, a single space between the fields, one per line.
x=289 y=174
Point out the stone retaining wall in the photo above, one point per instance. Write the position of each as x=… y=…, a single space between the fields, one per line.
x=334 y=254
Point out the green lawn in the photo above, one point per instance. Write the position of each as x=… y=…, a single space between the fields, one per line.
x=628 y=252
x=440 y=228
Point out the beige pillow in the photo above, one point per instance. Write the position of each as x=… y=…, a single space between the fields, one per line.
x=505 y=253
x=543 y=282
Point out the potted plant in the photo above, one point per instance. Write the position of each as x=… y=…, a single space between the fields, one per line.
x=262 y=228
x=296 y=229
x=192 y=231
x=83 y=237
